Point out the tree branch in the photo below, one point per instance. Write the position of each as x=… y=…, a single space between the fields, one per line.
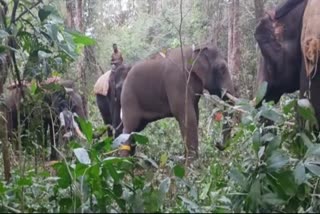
x=14 y=11
x=28 y=9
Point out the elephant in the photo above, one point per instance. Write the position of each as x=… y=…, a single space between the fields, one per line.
x=155 y=88
x=107 y=91
x=282 y=64
x=64 y=103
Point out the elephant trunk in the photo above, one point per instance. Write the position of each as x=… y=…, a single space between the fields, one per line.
x=68 y=123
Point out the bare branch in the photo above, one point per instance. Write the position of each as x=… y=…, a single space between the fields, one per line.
x=28 y=10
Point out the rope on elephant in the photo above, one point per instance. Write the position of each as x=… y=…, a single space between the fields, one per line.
x=310 y=36
x=102 y=85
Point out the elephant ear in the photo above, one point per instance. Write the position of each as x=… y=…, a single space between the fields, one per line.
x=202 y=64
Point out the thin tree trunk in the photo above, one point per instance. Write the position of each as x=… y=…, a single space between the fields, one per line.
x=234 y=53
x=3 y=122
x=258 y=9
x=75 y=21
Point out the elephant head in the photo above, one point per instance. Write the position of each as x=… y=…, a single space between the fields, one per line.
x=212 y=69
x=59 y=106
x=281 y=62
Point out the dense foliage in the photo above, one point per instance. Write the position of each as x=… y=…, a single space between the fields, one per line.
x=265 y=168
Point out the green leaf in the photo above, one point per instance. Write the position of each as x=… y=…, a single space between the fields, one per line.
x=82 y=39
x=165 y=185
x=314 y=150
x=163 y=159
x=25 y=181
x=117 y=190
x=191 y=206
x=261 y=92
x=286 y=180
x=315 y=169
x=2 y=188
x=299 y=173
x=205 y=191
x=3 y=34
x=82 y=156
x=289 y=106
x=255 y=192
x=271 y=115
x=114 y=174
x=179 y=171
x=86 y=128
x=272 y=199
x=306 y=110
x=256 y=142
x=44 y=12
x=267 y=137
x=65 y=204
x=140 y=139
x=277 y=160
x=307 y=142
x=62 y=172
x=237 y=177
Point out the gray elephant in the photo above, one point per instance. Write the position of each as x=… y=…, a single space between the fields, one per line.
x=59 y=107
x=108 y=90
x=156 y=88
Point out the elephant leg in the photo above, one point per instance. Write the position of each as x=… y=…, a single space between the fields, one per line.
x=132 y=122
x=189 y=131
x=53 y=154
x=104 y=108
x=196 y=107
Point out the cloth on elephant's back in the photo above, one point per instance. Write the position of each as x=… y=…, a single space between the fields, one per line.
x=102 y=85
x=310 y=35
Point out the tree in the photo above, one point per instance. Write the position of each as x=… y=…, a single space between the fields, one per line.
x=75 y=21
x=234 y=54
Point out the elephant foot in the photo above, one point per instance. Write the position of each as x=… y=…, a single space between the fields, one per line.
x=126 y=150
x=220 y=146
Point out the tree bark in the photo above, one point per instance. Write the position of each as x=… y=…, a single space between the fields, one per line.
x=75 y=21
x=234 y=53
x=3 y=123
x=258 y=11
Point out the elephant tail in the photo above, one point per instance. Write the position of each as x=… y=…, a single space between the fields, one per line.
x=310 y=37
x=311 y=50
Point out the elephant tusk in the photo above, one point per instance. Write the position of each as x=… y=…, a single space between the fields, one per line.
x=253 y=101
x=78 y=131
x=61 y=117
x=68 y=90
x=232 y=98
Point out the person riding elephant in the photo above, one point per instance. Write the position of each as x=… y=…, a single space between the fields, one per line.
x=116 y=57
x=168 y=82
x=107 y=90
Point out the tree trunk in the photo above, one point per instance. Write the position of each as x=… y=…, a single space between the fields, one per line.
x=75 y=21
x=3 y=123
x=234 y=53
x=259 y=10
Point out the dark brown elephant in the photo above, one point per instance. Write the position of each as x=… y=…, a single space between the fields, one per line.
x=283 y=65
x=109 y=101
x=156 y=88
x=59 y=109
